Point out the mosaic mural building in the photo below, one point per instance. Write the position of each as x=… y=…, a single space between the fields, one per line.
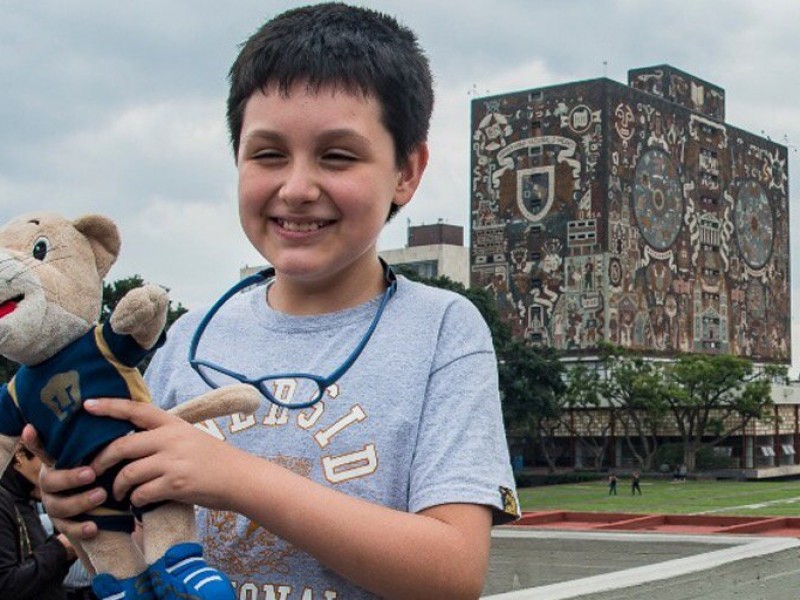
x=633 y=214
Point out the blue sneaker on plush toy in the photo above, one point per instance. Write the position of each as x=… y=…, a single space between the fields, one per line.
x=51 y=274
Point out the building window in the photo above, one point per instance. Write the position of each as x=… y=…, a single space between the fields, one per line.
x=428 y=269
x=709 y=163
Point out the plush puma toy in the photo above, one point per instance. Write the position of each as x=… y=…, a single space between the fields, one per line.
x=51 y=272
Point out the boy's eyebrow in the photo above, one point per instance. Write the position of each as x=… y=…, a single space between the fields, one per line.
x=262 y=134
x=326 y=137
x=333 y=135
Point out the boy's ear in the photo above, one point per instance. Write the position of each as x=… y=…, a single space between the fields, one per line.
x=411 y=174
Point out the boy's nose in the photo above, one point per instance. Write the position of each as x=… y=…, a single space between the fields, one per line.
x=299 y=186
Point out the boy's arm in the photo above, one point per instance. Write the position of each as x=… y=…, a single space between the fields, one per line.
x=441 y=552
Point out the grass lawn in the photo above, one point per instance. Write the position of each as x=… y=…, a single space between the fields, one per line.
x=749 y=498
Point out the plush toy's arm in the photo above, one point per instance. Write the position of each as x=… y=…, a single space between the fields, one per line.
x=142 y=314
x=228 y=400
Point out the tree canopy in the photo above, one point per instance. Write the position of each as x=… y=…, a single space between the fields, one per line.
x=704 y=390
x=705 y=398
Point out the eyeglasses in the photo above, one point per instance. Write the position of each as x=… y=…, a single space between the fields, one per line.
x=288 y=390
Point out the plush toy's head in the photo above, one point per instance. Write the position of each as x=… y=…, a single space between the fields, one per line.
x=51 y=273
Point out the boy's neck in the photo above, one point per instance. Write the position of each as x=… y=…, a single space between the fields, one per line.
x=341 y=291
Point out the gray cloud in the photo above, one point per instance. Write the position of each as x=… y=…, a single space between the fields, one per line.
x=119 y=107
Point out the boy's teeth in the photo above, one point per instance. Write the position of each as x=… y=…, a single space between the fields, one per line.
x=292 y=226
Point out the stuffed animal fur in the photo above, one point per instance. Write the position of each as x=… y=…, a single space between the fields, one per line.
x=51 y=272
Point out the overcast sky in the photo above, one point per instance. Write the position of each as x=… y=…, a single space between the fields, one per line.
x=118 y=107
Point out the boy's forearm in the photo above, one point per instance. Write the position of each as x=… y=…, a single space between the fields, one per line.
x=439 y=553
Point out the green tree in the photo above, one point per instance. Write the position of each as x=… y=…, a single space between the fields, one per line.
x=636 y=391
x=586 y=414
x=714 y=396
x=531 y=385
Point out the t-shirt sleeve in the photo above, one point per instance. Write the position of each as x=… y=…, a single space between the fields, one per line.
x=125 y=348
x=170 y=357
x=461 y=454
x=11 y=421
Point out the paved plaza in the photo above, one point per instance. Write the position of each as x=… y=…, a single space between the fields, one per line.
x=531 y=564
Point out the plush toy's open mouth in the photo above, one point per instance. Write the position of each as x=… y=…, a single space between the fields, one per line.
x=10 y=305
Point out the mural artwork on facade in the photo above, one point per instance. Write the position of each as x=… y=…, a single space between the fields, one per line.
x=610 y=212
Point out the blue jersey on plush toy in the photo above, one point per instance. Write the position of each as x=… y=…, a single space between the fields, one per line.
x=100 y=364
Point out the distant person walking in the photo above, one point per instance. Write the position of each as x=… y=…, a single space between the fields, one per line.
x=635 y=487
x=612 y=484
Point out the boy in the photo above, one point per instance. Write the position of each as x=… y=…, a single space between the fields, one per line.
x=388 y=485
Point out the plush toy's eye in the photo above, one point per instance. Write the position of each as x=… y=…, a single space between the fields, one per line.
x=40 y=248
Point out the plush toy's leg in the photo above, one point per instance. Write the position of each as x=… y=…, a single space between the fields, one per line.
x=183 y=573
x=120 y=565
x=163 y=527
x=177 y=568
x=108 y=587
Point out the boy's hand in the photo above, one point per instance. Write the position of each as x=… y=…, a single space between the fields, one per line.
x=168 y=459
x=55 y=485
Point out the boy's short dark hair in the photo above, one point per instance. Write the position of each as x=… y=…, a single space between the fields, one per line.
x=353 y=48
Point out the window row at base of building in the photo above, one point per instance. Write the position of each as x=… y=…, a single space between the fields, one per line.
x=759 y=453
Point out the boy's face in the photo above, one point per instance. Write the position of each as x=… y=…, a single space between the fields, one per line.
x=317 y=176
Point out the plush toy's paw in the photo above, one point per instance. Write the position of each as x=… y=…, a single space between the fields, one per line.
x=107 y=587
x=142 y=312
x=182 y=573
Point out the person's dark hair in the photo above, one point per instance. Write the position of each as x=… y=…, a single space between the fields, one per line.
x=355 y=49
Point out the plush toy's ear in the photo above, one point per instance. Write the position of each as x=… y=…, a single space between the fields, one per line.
x=103 y=235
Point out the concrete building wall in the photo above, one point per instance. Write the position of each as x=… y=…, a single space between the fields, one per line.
x=447 y=260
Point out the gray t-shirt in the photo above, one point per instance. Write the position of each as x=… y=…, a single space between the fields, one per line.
x=415 y=423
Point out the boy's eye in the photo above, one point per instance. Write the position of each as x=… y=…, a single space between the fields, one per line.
x=339 y=156
x=40 y=248
x=267 y=155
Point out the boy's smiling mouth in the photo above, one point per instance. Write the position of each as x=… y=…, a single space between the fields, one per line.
x=301 y=226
